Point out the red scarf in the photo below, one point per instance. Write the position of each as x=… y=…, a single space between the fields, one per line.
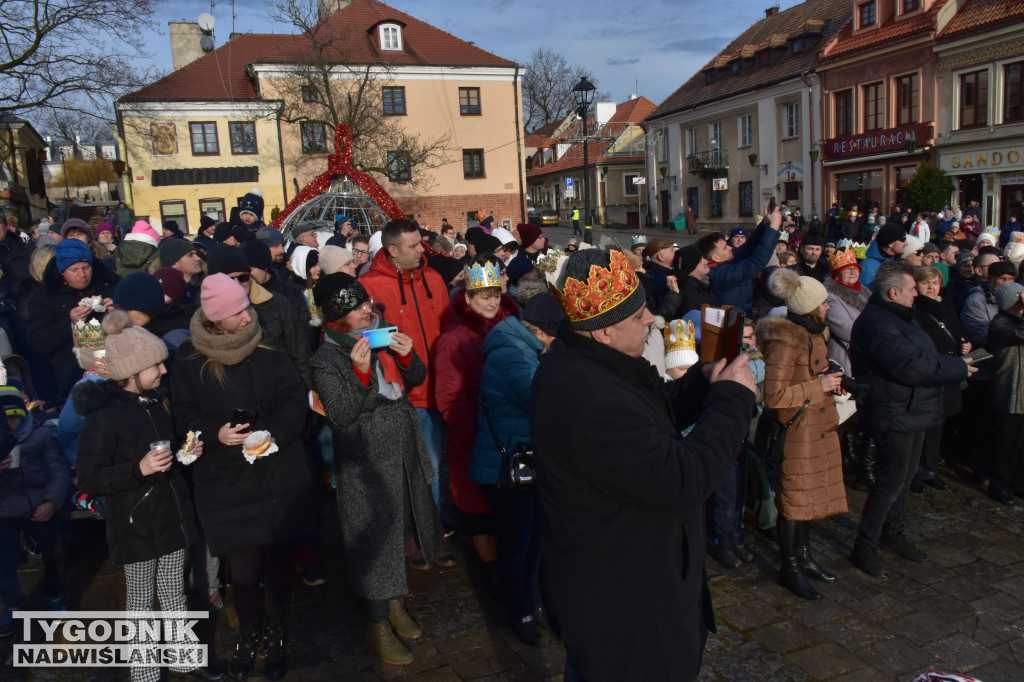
x=855 y=286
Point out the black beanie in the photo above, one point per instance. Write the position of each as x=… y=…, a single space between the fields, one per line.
x=338 y=294
x=890 y=233
x=222 y=232
x=687 y=259
x=487 y=243
x=206 y=222
x=811 y=240
x=258 y=255
x=226 y=259
x=1000 y=268
x=474 y=233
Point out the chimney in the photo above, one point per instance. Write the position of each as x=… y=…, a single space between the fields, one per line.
x=185 y=47
x=329 y=7
x=771 y=12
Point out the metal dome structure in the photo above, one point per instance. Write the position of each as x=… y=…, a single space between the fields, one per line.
x=343 y=197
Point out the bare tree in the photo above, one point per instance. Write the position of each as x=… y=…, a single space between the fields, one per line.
x=547 y=88
x=329 y=85
x=68 y=54
x=69 y=127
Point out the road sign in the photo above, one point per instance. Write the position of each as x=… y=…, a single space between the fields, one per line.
x=568 y=182
x=570 y=191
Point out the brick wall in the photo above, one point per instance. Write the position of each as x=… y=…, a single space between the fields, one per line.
x=431 y=209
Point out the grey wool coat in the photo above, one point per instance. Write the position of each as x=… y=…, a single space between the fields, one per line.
x=845 y=305
x=378 y=447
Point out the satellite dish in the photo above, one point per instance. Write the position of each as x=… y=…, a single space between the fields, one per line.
x=206 y=42
x=206 y=21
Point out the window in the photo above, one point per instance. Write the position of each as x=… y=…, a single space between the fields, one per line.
x=204 y=138
x=629 y=186
x=394 y=101
x=973 y=99
x=214 y=208
x=911 y=5
x=1013 y=77
x=399 y=166
x=473 y=163
x=907 y=88
x=717 y=199
x=746 y=199
x=904 y=175
x=314 y=137
x=309 y=94
x=874 y=115
x=663 y=148
x=691 y=141
x=843 y=104
x=715 y=135
x=174 y=210
x=791 y=121
x=243 y=138
x=867 y=14
x=792 y=191
x=746 y=130
x=469 y=101
x=390 y=37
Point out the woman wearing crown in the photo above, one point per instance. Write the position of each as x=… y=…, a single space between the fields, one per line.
x=459 y=363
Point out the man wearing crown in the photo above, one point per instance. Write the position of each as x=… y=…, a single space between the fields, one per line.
x=623 y=492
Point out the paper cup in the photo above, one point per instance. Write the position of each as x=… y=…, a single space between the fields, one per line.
x=160 y=445
x=16 y=457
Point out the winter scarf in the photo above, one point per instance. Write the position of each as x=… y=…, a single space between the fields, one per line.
x=227 y=349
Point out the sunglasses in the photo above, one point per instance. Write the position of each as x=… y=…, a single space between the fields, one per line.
x=241 y=278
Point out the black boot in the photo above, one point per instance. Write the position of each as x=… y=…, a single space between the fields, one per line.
x=848 y=448
x=866 y=467
x=804 y=560
x=244 y=658
x=790 y=575
x=275 y=661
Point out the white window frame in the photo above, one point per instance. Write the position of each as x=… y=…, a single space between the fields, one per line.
x=791 y=121
x=691 y=142
x=629 y=189
x=390 y=37
x=714 y=135
x=745 y=130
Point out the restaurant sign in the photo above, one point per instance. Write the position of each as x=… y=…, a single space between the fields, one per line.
x=877 y=142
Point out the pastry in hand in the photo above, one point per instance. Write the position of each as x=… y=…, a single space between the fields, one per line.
x=257 y=443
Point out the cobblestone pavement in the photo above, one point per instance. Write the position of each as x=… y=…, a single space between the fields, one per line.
x=962 y=611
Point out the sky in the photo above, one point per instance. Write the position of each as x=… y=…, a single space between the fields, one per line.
x=649 y=48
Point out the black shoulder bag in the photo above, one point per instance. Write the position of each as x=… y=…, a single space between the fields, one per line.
x=770 y=437
x=517 y=470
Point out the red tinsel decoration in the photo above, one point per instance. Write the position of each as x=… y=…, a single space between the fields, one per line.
x=340 y=164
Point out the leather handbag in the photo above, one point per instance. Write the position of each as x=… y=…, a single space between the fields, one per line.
x=517 y=470
x=770 y=438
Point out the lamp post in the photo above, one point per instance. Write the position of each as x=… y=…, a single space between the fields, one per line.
x=64 y=169
x=583 y=96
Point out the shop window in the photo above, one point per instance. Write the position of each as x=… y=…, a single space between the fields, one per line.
x=904 y=174
x=863 y=188
x=974 y=99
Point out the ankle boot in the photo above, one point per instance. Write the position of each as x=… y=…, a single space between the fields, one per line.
x=404 y=624
x=242 y=660
x=382 y=643
x=866 y=467
x=808 y=566
x=275 y=661
x=790 y=575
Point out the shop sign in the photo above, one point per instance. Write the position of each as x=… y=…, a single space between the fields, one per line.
x=985 y=160
x=877 y=142
x=1012 y=179
x=790 y=172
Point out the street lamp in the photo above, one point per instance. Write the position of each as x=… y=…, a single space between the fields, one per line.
x=583 y=96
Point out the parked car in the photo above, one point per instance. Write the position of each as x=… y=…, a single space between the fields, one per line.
x=547 y=216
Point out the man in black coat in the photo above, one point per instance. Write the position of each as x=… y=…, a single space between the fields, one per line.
x=893 y=355
x=811 y=262
x=623 y=547
x=694 y=288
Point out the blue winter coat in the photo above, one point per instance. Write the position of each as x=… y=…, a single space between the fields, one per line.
x=731 y=281
x=511 y=356
x=869 y=266
x=43 y=476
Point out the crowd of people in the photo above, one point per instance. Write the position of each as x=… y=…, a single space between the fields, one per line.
x=193 y=393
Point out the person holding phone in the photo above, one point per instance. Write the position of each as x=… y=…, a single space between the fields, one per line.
x=251 y=513
x=126 y=452
x=380 y=459
x=798 y=385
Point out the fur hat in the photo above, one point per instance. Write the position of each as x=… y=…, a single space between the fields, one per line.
x=129 y=349
x=801 y=294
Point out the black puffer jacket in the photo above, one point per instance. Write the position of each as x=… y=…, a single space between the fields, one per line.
x=892 y=354
x=49 y=319
x=282 y=330
x=147 y=516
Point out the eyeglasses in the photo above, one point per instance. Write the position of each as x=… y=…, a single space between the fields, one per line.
x=361 y=252
x=241 y=278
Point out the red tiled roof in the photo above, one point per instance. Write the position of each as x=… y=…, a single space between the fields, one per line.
x=890 y=32
x=635 y=110
x=540 y=136
x=982 y=15
x=821 y=18
x=221 y=74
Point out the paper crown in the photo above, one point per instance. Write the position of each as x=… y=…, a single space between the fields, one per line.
x=639 y=239
x=482 y=276
x=784 y=237
x=87 y=335
x=605 y=289
x=841 y=259
x=845 y=243
x=680 y=344
x=860 y=250
x=548 y=263
x=994 y=231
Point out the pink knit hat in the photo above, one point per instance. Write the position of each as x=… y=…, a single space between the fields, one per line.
x=221 y=297
x=142 y=227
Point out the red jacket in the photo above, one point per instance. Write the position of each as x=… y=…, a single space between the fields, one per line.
x=460 y=362
x=415 y=301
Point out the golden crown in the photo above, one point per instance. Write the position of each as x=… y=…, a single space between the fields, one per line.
x=840 y=259
x=482 y=276
x=605 y=289
x=680 y=336
x=639 y=239
x=87 y=335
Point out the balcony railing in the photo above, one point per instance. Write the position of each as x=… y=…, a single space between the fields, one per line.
x=708 y=162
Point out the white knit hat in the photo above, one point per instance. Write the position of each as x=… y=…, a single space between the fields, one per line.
x=801 y=294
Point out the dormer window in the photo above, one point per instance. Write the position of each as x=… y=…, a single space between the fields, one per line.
x=867 y=14
x=911 y=5
x=390 y=37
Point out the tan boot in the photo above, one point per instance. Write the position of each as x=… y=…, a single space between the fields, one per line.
x=404 y=624
x=381 y=642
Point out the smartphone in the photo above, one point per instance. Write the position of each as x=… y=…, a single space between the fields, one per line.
x=771 y=204
x=243 y=417
x=380 y=338
x=978 y=354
